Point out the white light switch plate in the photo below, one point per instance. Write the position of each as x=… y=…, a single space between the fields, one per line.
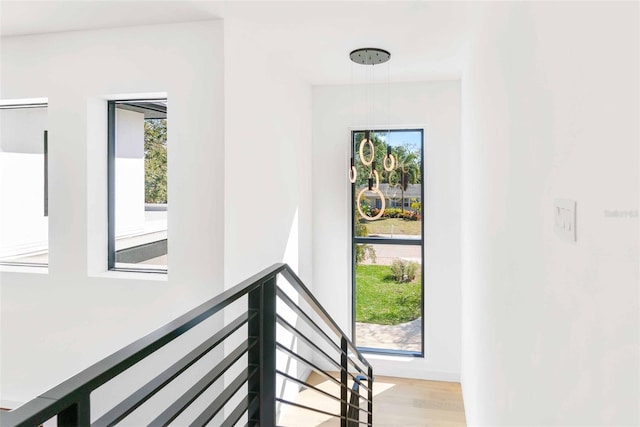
x=565 y=219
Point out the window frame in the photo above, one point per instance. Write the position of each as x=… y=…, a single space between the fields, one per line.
x=389 y=241
x=111 y=187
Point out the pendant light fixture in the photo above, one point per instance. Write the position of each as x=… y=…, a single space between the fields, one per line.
x=370 y=56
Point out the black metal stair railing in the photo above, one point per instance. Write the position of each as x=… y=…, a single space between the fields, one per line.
x=246 y=383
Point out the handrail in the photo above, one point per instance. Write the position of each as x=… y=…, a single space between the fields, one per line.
x=70 y=400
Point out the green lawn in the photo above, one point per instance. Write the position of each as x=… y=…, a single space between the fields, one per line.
x=400 y=226
x=381 y=300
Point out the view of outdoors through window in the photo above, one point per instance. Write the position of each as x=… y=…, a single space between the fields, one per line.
x=388 y=273
x=24 y=224
x=138 y=224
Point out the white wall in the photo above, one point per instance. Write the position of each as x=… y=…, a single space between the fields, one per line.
x=267 y=201
x=550 y=110
x=267 y=156
x=436 y=106
x=58 y=323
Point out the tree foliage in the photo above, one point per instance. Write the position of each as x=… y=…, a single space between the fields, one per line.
x=363 y=251
x=407 y=170
x=155 y=161
x=408 y=158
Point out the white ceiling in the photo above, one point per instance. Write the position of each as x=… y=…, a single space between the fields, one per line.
x=426 y=39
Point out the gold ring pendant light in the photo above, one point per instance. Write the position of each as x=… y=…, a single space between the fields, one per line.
x=371 y=56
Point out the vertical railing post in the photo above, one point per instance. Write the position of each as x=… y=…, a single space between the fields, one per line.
x=343 y=383
x=254 y=306
x=262 y=302
x=268 y=354
x=76 y=415
x=370 y=397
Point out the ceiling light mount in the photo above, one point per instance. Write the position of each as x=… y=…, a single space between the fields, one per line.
x=370 y=56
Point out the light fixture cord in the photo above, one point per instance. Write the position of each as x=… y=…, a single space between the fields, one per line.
x=388 y=102
x=373 y=94
x=369 y=96
x=353 y=107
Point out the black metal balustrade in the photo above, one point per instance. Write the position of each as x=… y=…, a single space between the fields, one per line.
x=249 y=397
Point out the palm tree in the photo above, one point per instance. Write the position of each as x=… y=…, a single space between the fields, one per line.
x=408 y=168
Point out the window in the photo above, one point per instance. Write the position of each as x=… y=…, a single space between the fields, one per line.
x=137 y=156
x=388 y=278
x=24 y=225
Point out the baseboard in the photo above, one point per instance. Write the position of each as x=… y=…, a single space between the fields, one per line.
x=409 y=367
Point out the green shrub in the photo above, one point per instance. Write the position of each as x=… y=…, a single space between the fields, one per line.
x=404 y=271
x=395 y=213
x=366 y=208
x=365 y=251
x=392 y=213
x=416 y=205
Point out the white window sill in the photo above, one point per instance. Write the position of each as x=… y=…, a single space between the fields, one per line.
x=153 y=276
x=392 y=357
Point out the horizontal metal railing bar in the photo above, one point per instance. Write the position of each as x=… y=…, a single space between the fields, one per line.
x=68 y=392
x=222 y=399
x=299 y=405
x=147 y=391
x=365 y=389
x=357 y=421
x=307 y=385
x=320 y=411
x=348 y=418
x=242 y=407
x=365 y=400
x=295 y=281
x=177 y=407
x=309 y=364
x=354 y=410
x=285 y=298
x=355 y=365
x=387 y=241
x=254 y=407
x=362 y=385
x=300 y=335
x=362 y=409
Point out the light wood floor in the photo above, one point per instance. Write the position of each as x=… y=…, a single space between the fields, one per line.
x=398 y=402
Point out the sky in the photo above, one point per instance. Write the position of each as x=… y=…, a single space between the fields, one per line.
x=401 y=137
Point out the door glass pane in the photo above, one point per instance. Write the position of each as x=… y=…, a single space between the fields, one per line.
x=389 y=297
x=141 y=185
x=24 y=222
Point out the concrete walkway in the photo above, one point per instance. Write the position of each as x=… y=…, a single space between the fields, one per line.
x=386 y=254
x=405 y=336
